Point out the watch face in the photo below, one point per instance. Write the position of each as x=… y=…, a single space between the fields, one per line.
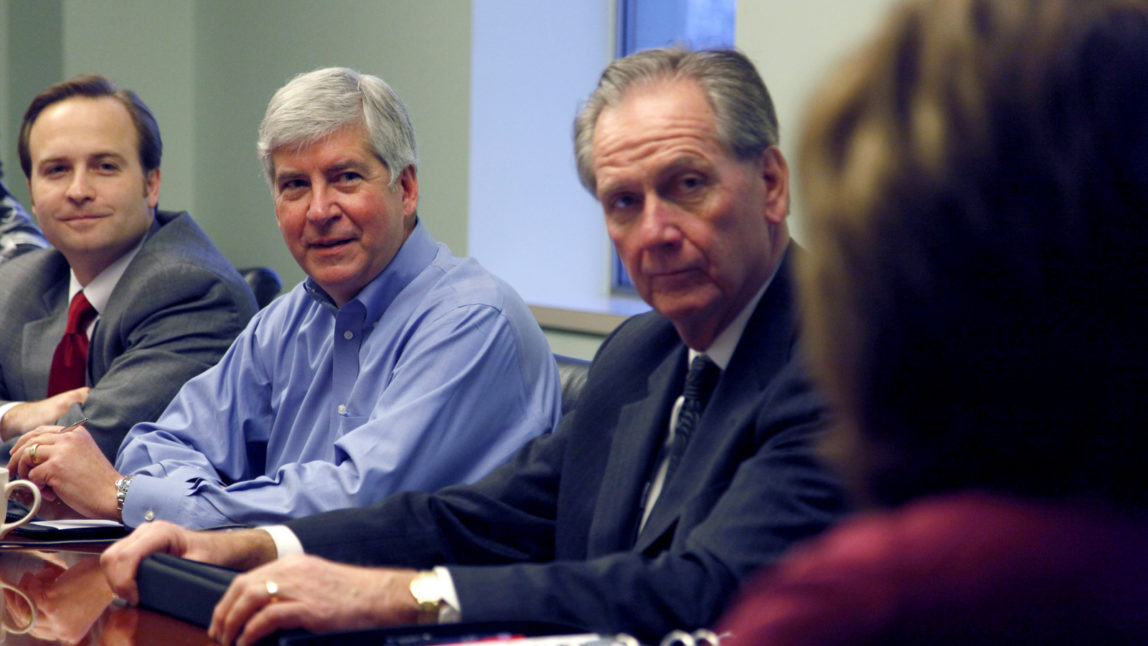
x=425 y=590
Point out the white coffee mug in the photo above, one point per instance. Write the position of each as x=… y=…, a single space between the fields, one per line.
x=5 y=627
x=9 y=487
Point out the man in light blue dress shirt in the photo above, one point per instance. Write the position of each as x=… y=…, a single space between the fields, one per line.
x=394 y=366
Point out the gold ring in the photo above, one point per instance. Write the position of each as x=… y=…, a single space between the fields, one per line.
x=32 y=453
x=272 y=590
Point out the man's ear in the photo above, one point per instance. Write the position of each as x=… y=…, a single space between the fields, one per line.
x=409 y=185
x=151 y=187
x=775 y=173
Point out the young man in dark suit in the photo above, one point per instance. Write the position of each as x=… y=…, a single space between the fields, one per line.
x=613 y=523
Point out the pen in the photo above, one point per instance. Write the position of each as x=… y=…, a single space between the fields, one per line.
x=70 y=427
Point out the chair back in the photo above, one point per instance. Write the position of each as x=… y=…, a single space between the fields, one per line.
x=572 y=373
x=264 y=283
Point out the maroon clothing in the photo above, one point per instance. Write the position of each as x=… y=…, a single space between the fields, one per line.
x=968 y=568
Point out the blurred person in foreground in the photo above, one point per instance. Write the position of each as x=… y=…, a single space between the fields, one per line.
x=976 y=300
x=614 y=522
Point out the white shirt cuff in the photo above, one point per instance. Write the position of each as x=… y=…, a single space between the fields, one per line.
x=451 y=612
x=286 y=542
x=7 y=407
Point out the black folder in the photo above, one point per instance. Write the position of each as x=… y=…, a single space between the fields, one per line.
x=189 y=590
x=182 y=588
x=44 y=536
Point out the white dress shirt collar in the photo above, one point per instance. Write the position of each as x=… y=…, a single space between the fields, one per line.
x=721 y=350
x=99 y=290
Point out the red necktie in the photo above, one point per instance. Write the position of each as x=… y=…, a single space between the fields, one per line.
x=70 y=363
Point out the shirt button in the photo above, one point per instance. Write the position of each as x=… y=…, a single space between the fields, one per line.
x=348 y=335
x=149 y=516
x=342 y=409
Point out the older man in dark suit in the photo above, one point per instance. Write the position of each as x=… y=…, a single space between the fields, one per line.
x=131 y=302
x=650 y=505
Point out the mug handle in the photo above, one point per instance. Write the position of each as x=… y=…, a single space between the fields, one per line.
x=35 y=507
x=32 y=615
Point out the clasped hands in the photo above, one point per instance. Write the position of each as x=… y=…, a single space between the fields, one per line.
x=297 y=591
x=69 y=467
x=310 y=592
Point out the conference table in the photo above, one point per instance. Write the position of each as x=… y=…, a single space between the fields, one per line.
x=60 y=596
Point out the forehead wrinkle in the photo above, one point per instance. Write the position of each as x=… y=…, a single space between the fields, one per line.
x=346 y=164
x=649 y=130
x=610 y=138
x=288 y=169
x=685 y=152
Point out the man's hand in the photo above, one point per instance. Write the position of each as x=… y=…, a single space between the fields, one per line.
x=68 y=466
x=67 y=601
x=314 y=594
x=240 y=550
x=22 y=418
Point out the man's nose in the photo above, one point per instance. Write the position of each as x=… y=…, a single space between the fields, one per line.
x=80 y=188
x=659 y=224
x=322 y=206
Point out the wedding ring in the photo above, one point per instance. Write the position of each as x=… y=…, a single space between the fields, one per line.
x=272 y=591
x=32 y=453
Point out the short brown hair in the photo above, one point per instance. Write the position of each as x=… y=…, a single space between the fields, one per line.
x=95 y=86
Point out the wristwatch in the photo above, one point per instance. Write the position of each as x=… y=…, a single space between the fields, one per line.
x=122 y=492
x=426 y=588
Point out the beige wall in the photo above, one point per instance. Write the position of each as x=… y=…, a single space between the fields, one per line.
x=207 y=69
x=793 y=45
x=30 y=36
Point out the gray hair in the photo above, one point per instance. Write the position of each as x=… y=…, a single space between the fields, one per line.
x=317 y=104
x=744 y=114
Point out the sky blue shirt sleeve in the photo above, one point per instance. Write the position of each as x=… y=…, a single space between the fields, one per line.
x=440 y=393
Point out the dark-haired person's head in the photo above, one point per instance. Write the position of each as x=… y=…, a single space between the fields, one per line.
x=91 y=153
x=95 y=86
x=977 y=297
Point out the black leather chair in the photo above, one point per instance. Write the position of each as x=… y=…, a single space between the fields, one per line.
x=572 y=373
x=264 y=282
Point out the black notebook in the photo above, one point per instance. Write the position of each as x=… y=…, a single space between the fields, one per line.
x=182 y=588
x=59 y=532
x=189 y=590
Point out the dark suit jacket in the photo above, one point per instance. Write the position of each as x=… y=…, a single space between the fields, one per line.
x=174 y=312
x=551 y=535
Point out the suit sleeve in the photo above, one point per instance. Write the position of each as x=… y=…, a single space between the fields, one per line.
x=181 y=322
x=506 y=517
x=499 y=534
x=778 y=495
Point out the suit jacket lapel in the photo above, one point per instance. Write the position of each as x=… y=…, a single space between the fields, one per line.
x=641 y=430
x=765 y=346
x=43 y=330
